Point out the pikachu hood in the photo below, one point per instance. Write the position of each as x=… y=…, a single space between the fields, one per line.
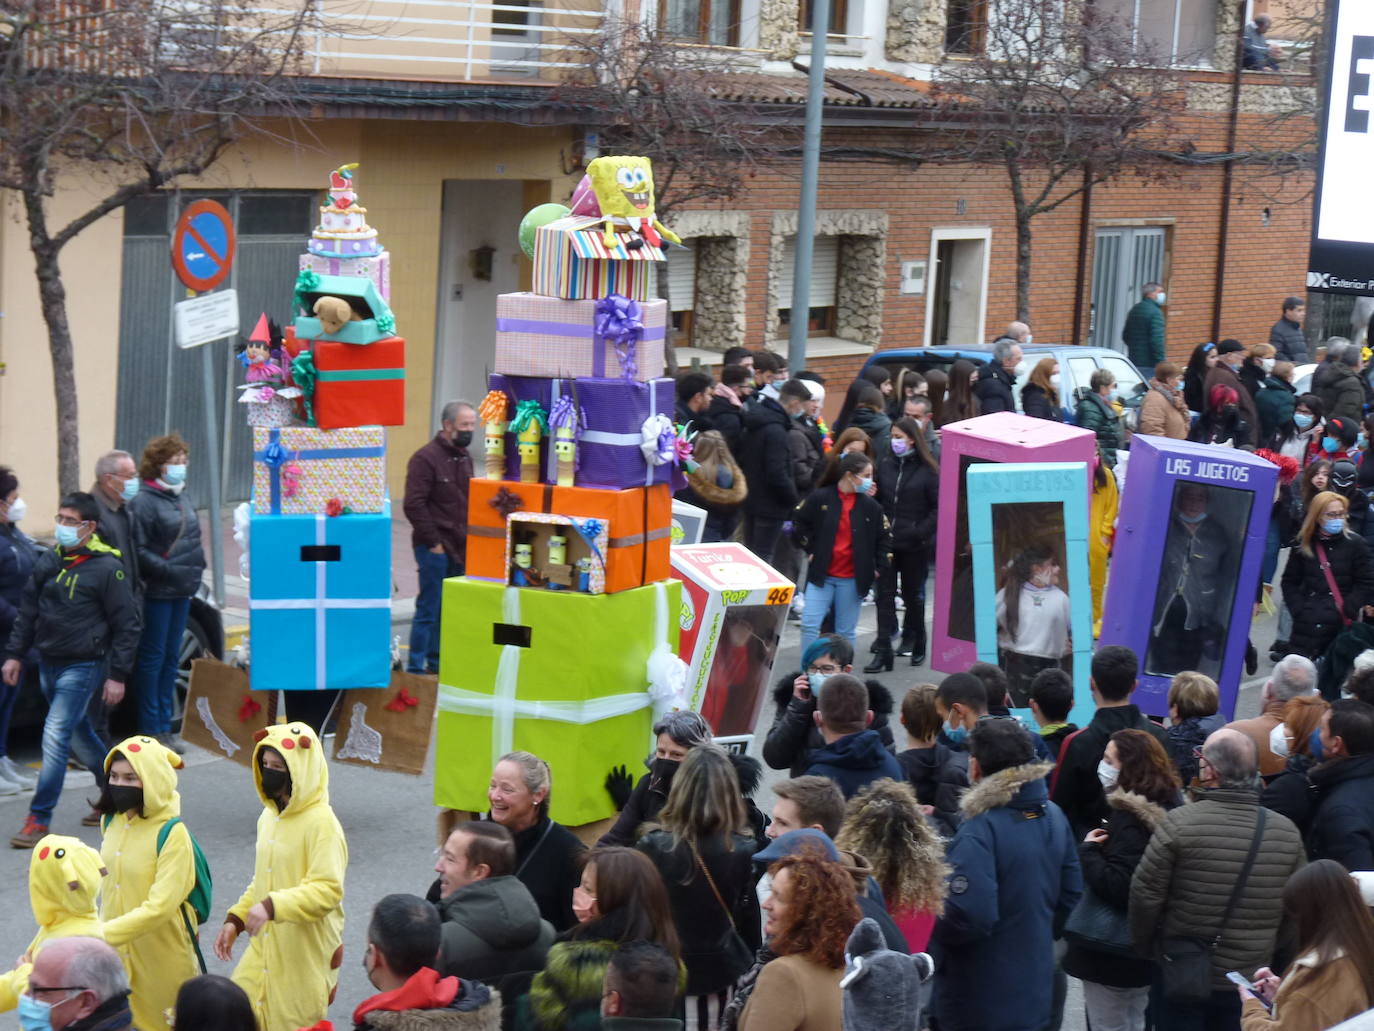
x=156 y=766
x=305 y=760
x=64 y=882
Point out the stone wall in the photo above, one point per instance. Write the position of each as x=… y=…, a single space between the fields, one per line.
x=859 y=292
x=779 y=28
x=721 y=239
x=915 y=30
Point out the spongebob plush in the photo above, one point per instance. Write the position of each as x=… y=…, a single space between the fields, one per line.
x=621 y=191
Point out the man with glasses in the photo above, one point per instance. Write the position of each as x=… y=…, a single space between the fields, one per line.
x=116 y=484
x=77 y=984
x=78 y=611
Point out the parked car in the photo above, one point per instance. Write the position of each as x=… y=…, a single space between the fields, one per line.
x=1076 y=366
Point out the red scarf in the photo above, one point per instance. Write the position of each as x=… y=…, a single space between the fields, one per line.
x=425 y=990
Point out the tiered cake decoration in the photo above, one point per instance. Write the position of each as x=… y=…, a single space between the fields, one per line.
x=343 y=243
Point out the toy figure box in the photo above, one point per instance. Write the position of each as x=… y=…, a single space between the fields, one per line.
x=556 y=553
x=616 y=419
x=637 y=523
x=563 y=675
x=734 y=607
x=550 y=336
x=689 y=523
x=1004 y=437
x=1185 y=568
x=298 y=470
x=572 y=261
x=1028 y=527
x=320 y=601
x=366 y=319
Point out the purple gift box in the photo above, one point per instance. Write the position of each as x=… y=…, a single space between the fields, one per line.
x=608 y=452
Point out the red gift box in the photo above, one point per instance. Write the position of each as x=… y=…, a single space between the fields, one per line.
x=359 y=384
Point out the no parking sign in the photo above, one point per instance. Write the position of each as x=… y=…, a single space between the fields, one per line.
x=203 y=245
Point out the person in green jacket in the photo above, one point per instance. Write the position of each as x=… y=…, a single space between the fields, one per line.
x=1276 y=402
x=1143 y=333
x=1097 y=411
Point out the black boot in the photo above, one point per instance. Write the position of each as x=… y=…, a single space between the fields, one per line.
x=908 y=640
x=882 y=657
x=918 y=633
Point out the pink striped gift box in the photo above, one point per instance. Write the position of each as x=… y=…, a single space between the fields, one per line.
x=376 y=267
x=572 y=261
x=553 y=338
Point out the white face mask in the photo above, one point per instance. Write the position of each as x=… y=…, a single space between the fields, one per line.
x=17 y=511
x=1160 y=297
x=1278 y=741
x=1107 y=774
x=1054 y=381
x=1268 y=364
x=1030 y=339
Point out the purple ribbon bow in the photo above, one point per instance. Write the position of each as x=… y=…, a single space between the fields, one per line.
x=620 y=320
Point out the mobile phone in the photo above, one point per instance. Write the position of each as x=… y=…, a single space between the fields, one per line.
x=1240 y=980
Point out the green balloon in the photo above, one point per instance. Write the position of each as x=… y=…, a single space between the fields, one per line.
x=536 y=217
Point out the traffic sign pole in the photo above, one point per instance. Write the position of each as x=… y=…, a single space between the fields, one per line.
x=207 y=357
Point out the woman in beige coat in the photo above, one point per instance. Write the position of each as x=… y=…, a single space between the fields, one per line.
x=1163 y=412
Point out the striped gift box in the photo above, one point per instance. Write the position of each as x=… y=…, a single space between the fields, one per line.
x=376 y=267
x=551 y=337
x=571 y=260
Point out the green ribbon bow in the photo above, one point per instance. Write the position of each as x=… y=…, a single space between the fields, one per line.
x=386 y=324
x=304 y=375
x=307 y=282
x=527 y=412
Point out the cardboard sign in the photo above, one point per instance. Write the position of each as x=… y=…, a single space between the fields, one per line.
x=222 y=711
x=388 y=729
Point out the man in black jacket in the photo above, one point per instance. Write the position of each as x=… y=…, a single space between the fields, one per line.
x=693 y=399
x=1077 y=789
x=996 y=378
x=78 y=611
x=1342 y=827
x=1286 y=336
x=116 y=484
x=764 y=457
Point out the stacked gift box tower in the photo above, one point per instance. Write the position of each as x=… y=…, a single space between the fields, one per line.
x=319 y=396
x=562 y=637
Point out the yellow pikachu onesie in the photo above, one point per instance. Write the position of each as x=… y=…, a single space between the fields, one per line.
x=64 y=880
x=291 y=967
x=146 y=891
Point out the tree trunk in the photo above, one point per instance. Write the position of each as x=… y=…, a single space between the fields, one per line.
x=52 y=295
x=1023 y=265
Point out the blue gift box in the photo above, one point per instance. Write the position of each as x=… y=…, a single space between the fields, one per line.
x=320 y=601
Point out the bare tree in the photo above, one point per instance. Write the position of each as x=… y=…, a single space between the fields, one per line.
x=1062 y=95
x=128 y=96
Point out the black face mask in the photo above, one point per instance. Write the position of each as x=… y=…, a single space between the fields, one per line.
x=274 y=782
x=663 y=771
x=462 y=438
x=126 y=798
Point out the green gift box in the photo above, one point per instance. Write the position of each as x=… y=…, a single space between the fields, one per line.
x=570 y=677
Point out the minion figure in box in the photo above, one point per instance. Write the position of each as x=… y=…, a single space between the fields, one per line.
x=621 y=191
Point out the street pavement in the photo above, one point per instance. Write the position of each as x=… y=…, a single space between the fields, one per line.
x=390 y=822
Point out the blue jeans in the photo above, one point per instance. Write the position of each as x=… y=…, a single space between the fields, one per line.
x=424 y=628
x=67 y=729
x=159 y=649
x=837 y=591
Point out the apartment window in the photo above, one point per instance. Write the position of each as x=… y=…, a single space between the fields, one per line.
x=1170 y=31
x=839 y=16
x=702 y=21
x=682 y=291
x=825 y=276
x=966 y=26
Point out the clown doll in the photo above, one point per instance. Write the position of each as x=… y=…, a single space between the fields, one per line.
x=492 y=411
x=567 y=422
x=529 y=427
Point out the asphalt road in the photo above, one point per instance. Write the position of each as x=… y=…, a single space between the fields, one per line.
x=390 y=821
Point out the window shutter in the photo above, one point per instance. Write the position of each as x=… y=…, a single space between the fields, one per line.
x=825 y=271
x=682 y=277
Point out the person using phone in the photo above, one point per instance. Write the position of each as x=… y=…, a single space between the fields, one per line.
x=1330 y=980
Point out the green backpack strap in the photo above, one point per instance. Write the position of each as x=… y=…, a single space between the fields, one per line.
x=162 y=834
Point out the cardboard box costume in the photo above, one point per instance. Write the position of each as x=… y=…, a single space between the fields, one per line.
x=298 y=470
x=553 y=337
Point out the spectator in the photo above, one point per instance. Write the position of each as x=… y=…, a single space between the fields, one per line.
x=863 y=409
x=807 y=440
x=436 y=504
x=491 y=923
x=675 y=734
x=843 y=531
x=1215 y=870
x=620 y=898
x=1258 y=55
x=402 y=942
x=1339 y=437
x=1360 y=683
x=927 y=757
x=852 y=440
x=769 y=372
x=1143 y=330
x=297 y=886
x=909 y=492
x=960 y=402
x=1163 y=411
x=704 y=849
x=1051 y=701
x=1142 y=785
x=961 y=700
x=1193 y=703
x=1326 y=554
x=1015 y=880
x=1226 y=373
x=715 y=485
x=84 y=627
x=172 y=562
x=213 y=1003
x=806 y=803
x=693 y=399
x=1343 y=482
x=1332 y=977
x=1276 y=402
x=1200 y=363
x=853 y=756
x=640 y=991
x=810 y=915
x=18 y=553
x=1342 y=826
x=547 y=854
x=1223 y=422
x=794 y=736
x=1259 y=362
x=1340 y=390
x=1040 y=395
x=908 y=385
x=1300 y=437
x=740 y=356
x=997 y=378
x=921 y=409
x=116 y=484
x=1298 y=740
x=772 y=489
x=1097 y=412
x=1292 y=677
x=725 y=413
x=883 y=823
x=1020 y=332
x=151 y=861
x=1077 y=789
x=77 y=983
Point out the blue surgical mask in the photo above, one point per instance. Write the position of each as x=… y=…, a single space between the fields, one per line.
x=865 y=485
x=956 y=732
x=1330 y=445
x=67 y=536
x=1333 y=526
x=1192 y=520
x=1303 y=421
x=1362 y=442
x=1314 y=744
x=35 y=1015
x=130 y=489
x=174 y=474
x=816 y=680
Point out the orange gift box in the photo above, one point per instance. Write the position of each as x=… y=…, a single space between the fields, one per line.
x=638 y=522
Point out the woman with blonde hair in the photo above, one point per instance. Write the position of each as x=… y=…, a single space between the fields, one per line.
x=1193 y=703
x=885 y=825
x=716 y=485
x=1040 y=395
x=704 y=849
x=1329 y=578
